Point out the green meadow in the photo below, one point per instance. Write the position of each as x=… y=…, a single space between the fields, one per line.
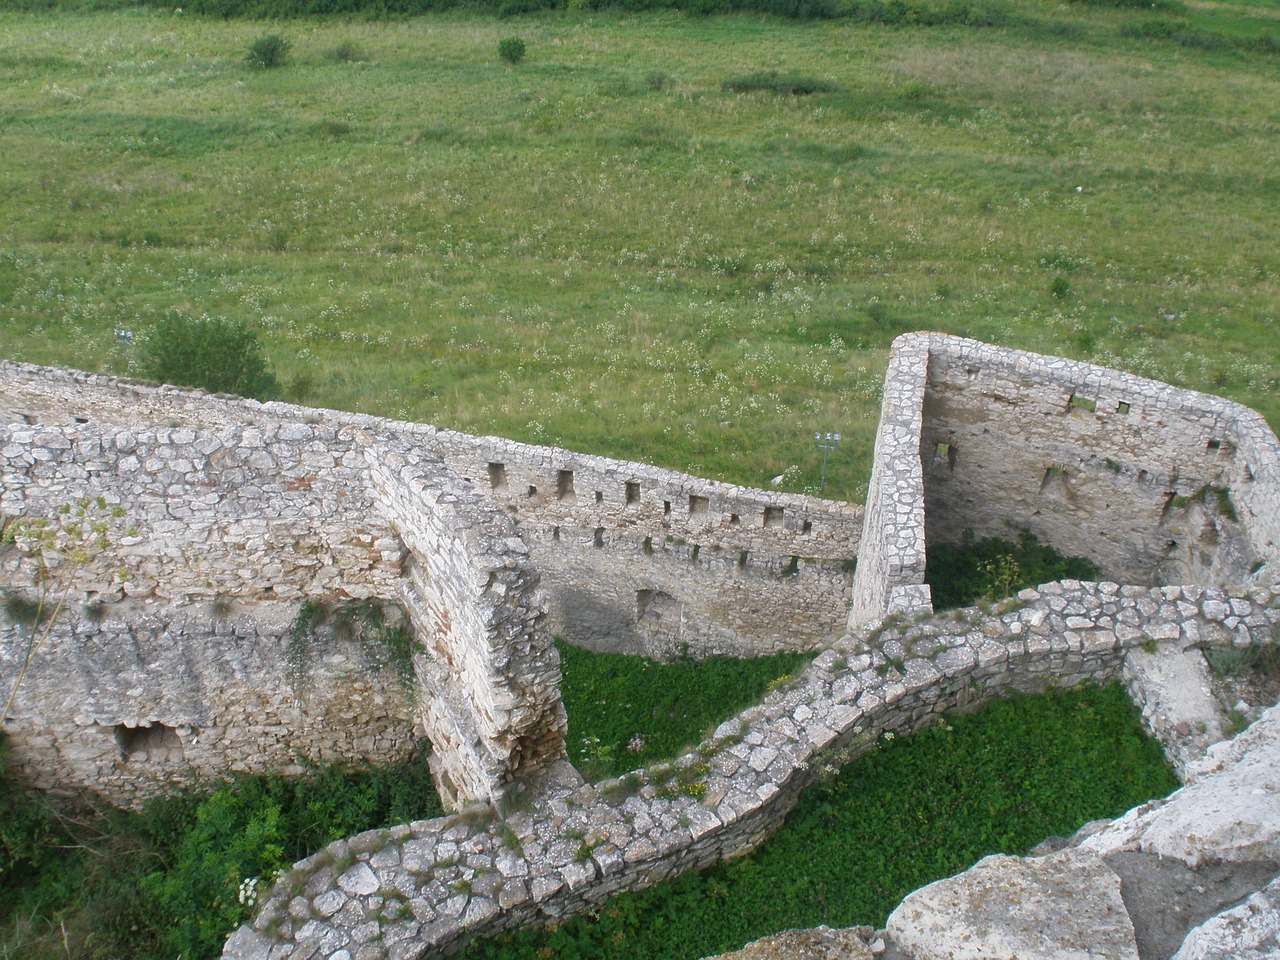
x=631 y=244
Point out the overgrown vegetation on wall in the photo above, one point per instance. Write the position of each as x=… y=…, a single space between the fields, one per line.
x=906 y=814
x=992 y=568
x=627 y=712
x=176 y=878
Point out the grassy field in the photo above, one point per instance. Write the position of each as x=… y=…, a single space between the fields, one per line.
x=601 y=247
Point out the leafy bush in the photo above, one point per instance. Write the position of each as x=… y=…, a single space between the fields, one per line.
x=212 y=353
x=178 y=877
x=346 y=52
x=993 y=568
x=511 y=49
x=267 y=51
x=911 y=811
x=772 y=81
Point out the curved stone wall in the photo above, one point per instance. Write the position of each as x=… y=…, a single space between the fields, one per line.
x=422 y=890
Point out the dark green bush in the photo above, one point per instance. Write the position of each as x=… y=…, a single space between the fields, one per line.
x=991 y=569
x=211 y=353
x=267 y=51
x=771 y=81
x=511 y=49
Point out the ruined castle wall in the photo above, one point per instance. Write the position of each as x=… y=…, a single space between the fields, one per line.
x=493 y=707
x=891 y=560
x=1153 y=483
x=122 y=706
x=276 y=512
x=677 y=564
x=431 y=886
x=283 y=511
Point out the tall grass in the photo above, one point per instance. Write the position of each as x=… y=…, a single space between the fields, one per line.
x=607 y=249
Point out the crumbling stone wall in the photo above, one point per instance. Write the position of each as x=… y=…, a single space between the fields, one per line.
x=256 y=515
x=1153 y=483
x=424 y=889
x=141 y=698
x=678 y=564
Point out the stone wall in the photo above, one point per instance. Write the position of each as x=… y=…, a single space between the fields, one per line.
x=891 y=567
x=135 y=700
x=1153 y=483
x=422 y=890
x=677 y=564
x=256 y=515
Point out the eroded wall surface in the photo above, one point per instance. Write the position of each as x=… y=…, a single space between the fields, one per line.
x=633 y=558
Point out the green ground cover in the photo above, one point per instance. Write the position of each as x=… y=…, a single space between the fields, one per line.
x=627 y=712
x=991 y=569
x=176 y=878
x=606 y=247
x=902 y=816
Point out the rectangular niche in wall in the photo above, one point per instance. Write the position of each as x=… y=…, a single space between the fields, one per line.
x=658 y=611
x=152 y=742
x=633 y=492
x=773 y=516
x=498 y=477
x=564 y=485
x=698 y=506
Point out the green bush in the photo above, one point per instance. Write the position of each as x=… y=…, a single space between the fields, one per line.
x=783 y=84
x=511 y=49
x=211 y=353
x=991 y=569
x=267 y=51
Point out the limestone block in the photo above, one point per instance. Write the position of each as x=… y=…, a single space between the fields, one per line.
x=1063 y=907
x=1250 y=931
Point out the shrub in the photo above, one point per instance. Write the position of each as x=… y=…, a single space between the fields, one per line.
x=212 y=353
x=511 y=49
x=267 y=51
x=346 y=52
x=992 y=569
x=783 y=84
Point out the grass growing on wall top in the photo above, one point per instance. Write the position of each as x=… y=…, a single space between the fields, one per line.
x=605 y=248
x=627 y=712
x=909 y=813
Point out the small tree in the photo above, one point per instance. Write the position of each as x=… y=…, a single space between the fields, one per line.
x=213 y=353
x=511 y=49
x=267 y=52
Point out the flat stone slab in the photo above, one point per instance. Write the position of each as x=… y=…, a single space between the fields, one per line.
x=820 y=943
x=1062 y=907
x=1250 y=931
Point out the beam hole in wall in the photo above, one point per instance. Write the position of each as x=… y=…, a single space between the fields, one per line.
x=564 y=485
x=1078 y=402
x=633 y=492
x=599 y=496
x=666 y=508
x=599 y=537
x=698 y=506
x=806 y=527
x=80 y=419
x=533 y=491
x=693 y=556
x=152 y=742
x=793 y=568
x=648 y=545
x=498 y=477
x=659 y=611
x=773 y=516
x=944 y=456
x=734 y=520
x=555 y=533
x=1122 y=407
